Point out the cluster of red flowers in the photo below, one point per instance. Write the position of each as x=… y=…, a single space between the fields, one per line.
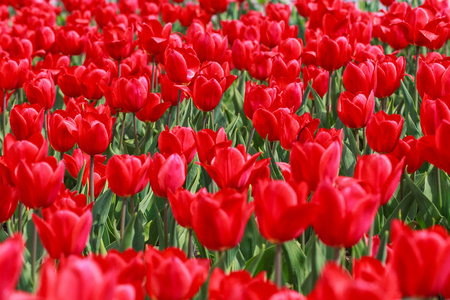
x=88 y=67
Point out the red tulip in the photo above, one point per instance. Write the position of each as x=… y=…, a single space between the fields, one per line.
x=319 y=78
x=291 y=48
x=171 y=276
x=103 y=14
x=231 y=168
x=260 y=65
x=43 y=38
x=41 y=90
x=127 y=175
x=92 y=78
x=25 y=120
x=407 y=149
x=12 y=73
x=390 y=126
x=360 y=78
x=276 y=202
x=267 y=123
x=128 y=94
x=433 y=79
x=207 y=141
x=171 y=92
x=390 y=72
x=39 y=183
x=433 y=113
x=64 y=232
x=154 y=37
x=167 y=173
x=219 y=220
x=210 y=47
x=70 y=40
x=181 y=64
x=240 y=53
x=355 y=110
x=257 y=96
x=11 y=260
x=153 y=109
x=10 y=195
x=346 y=211
x=118 y=41
x=420 y=259
x=332 y=54
x=62 y=130
x=181 y=202
x=271 y=32
x=317 y=160
x=433 y=148
x=94 y=126
x=179 y=140
x=382 y=174
x=297 y=128
x=69 y=81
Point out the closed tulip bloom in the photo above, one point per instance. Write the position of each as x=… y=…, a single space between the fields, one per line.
x=231 y=168
x=167 y=173
x=317 y=160
x=181 y=202
x=355 y=110
x=420 y=259
x=433 y=79
x=286 y=73
x=434 y=148
x=382 y=174
x=41 y=90
x=39 y=183
x=96 y=127
x=360 y=78
x=319 y=78
x=267 y=123
x=432 y=113
x=154 y=108
x=291 y=48
x=207 y=141
x=69 y=81
x=332 y=54
x=346 y=211
x=12 y=73
x=276 y=202
x=129 y=94
x=26 y=119
x=10 y=195
x=64 y=232
x=390 y=72
x=43 y=38
x=11 y=260
x=407 y=149
x=172 y=276
x=219 y=219
x=260 y=65
x=126 y=174
x=383 y=131
x=297 y=128
x=179 y=140
x=70 y=40
x=271 y=32
x=210 y=46
x=92 y=78
x=181 y=64
x=62 y=130
x=257 y=96
x=240 y=53
x=154 y=37
x=118 y=41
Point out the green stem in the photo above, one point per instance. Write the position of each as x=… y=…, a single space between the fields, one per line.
x=250 y=138
x=356 y=132
x=91 y=179
x=132 y=209
x=416 y=92
x=122 y=133
x=136 y=143
x=166 y=223
x=190 y=244
x=337 y=255
x=168 y=116
x=369 y=246
x=221 y=260
x=277 y=265
x=33 y=256
x=178 y=108
x=204 y=120
x=122 y=218
x=19 y=220
x=329 y=96
x=119 y=71
x=153 y=74
x=439 y=188
x=383 y=104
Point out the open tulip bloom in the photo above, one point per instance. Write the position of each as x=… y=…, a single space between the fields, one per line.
x=224 y=149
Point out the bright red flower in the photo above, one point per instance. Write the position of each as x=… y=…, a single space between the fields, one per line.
x=128 y=94
x=355 y=110
x=153 y=109
x=69 y=81
x=118 y=41
x=94 y=126
x=432 y=113
x=181 y=64
x=260 y=64
x=167 y=173
x=219 y=219
x=207 y=141
x=407 y=149
x=127 y=175
x=179 y=140
x=171 y=276
x=434 y=148
x=70 y=40
x=91 y=79
x=346 y=211
x=12 y=73
x=153 y=37
x=360 y=78
x=319 y=78
x=41 y=90
x=11 y=260
x=25 y=120
x=390 y=71
x=257 y=96
x=332 y=54
x=383 y=131
x=433 y=79
x=62 y=130
x=210 y=46
x=10 y=195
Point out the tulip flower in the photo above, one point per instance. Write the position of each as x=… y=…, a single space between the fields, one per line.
x=276 y=202
x=179 y=140
x=295 y=128
x=257 y=96
x=10 y=195
x=94 y=126
x=355 y=110
x=240 y=53
x=25 y=120
x=167 y=173
x=390 y=126
x=267 y=123
x=433 y=80
x=319 y=78
x=181 y=202
x=66 y=231
x=346 y=211
x=407 y=149
x=12 y=73
x=43 y=38
x=37 y=193
x=11 y=260
x=317 y=160
x=219 y=219
x=153 y=109
x=62 y=130
x=181 y=64
x=127 y=175
x=432 y=113
x=118 y=41
x=332 y=54
x=69 y=40
x=171 y=93
x=271 y=32
x=69 y=81
x=389 y=72
x=231 y=168
x=41 y=90
x=360 y=78
x=127 y=94
x=420 y=259
x=433 y=147
x=154 y=37
x=291 y=48
x=382 y=174
x=210 y=47
x=92 y=78
x=260 y=65
x=207 y=141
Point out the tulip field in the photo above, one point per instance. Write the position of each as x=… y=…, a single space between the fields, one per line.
x=224 y=149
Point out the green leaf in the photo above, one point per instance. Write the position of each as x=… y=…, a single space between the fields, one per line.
x=80 y=178
x=128 y=235
x=262 y=262
x=296 y=263
x=99 y=217
x=401 y=210
x=139 y=236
